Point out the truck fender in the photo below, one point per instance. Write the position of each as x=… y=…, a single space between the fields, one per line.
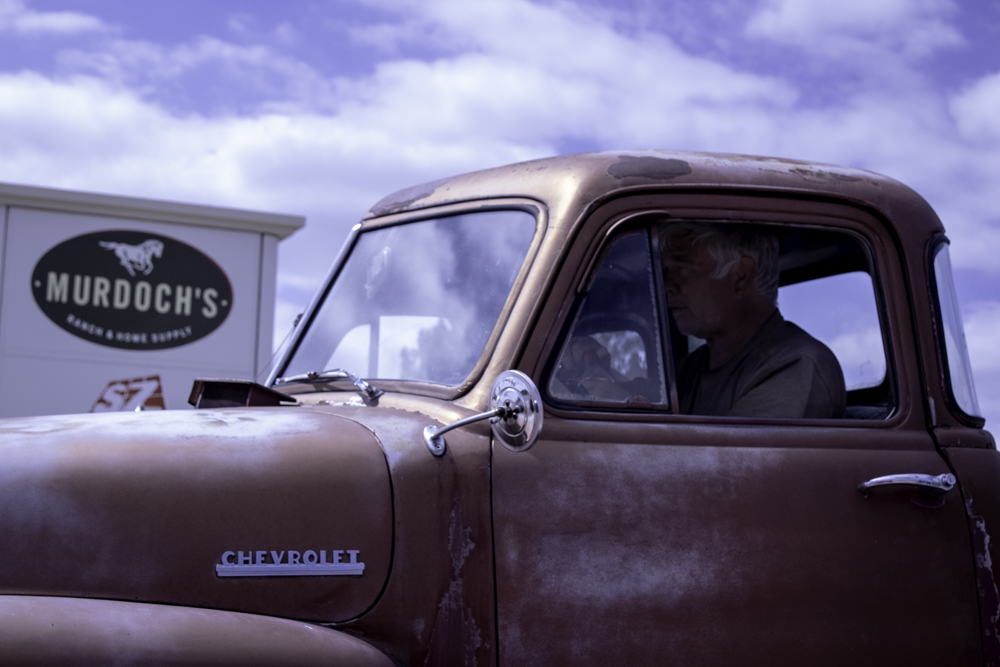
x=58 y=631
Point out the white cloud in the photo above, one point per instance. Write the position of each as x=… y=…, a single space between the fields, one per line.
x=982 y=321
x=516 y=81
x=258 y=72
x=536 y=77
x=982 y=324
x=16 y=17
x=85 y=133
x=975 y=109
x=861 y=356
x=286 y=33
x=570 y=47
x=850 y=27
x=355 y=140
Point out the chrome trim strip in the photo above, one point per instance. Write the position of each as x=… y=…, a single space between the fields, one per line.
x=328 y=570
x=306 y=319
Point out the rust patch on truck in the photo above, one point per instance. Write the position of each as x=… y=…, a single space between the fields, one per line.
x=989 y=595
x=454 y=619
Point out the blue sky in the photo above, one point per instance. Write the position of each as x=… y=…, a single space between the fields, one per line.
x=322 y=107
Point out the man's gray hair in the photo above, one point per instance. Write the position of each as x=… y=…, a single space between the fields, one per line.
x=727 y=243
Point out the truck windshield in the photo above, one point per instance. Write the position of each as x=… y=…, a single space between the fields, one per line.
x=418 y=301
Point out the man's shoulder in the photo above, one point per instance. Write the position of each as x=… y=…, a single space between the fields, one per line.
x=790 y=345
x=793 y=341
x=781 y=344
x=791 y=367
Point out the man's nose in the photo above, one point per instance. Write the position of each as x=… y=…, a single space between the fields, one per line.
x=670 y=285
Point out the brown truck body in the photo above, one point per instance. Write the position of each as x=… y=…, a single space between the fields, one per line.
x=627 y=534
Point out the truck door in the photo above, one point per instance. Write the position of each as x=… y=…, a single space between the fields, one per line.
x=632 y=534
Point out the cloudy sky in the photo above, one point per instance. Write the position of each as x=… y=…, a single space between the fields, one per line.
x=321 y=107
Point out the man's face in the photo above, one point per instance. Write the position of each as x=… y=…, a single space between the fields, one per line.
x=701 y=305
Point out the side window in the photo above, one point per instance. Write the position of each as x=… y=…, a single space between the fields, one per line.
x=613 y=354
x=956 y=353
x=759 y=320
x=774 y=321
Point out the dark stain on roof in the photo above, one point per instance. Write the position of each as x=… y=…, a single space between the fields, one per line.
x=402 y=200
x=653 y=168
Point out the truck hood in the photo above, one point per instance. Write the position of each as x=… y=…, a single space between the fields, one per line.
x=280 y=511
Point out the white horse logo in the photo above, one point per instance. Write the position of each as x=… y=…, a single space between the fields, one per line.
x=136 y=257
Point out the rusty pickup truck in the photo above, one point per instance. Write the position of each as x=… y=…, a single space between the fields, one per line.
x=490 y=441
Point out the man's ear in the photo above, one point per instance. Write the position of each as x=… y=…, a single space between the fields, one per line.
x=743 y=273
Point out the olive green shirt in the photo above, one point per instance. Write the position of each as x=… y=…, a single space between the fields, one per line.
x=781 y=372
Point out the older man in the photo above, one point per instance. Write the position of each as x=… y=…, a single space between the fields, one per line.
x=721 y=284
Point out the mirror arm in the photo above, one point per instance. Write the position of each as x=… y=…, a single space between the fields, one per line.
x=434 y=437
x=516 y=417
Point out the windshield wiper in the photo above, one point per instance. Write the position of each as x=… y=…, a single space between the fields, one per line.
x=315 y=377
x=369 y=394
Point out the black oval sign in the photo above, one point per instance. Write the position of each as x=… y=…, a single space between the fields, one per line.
x=132 y=290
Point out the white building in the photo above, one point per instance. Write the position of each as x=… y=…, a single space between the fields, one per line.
x=108 y=303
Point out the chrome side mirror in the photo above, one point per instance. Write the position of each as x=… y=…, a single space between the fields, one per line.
x=519 y=429
x=515 y=415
